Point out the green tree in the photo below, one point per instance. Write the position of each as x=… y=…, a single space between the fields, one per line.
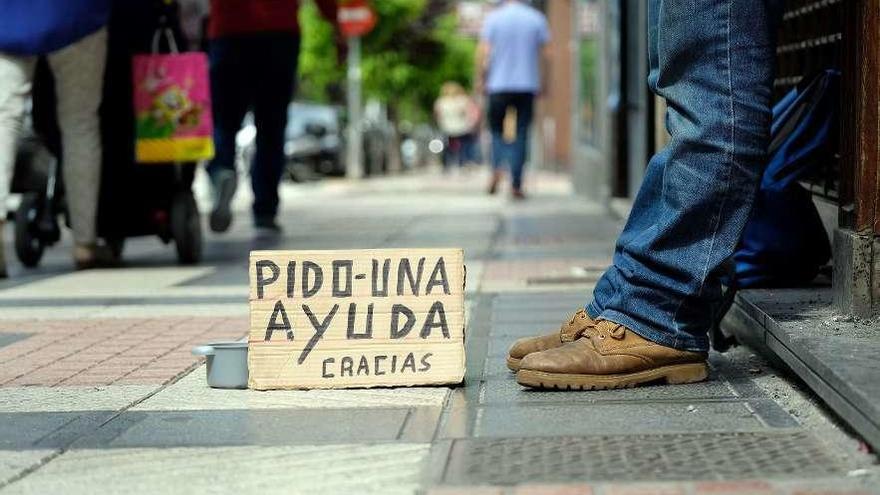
x=415 y=47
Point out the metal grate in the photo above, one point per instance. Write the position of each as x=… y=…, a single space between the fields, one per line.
x=810 y=40
x=691 y=456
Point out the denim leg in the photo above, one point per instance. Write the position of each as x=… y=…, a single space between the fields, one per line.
x=524 y=104
x=277 y=55
x=497 y=109
x=229 y=99
x=499 y=151
x=713 y=63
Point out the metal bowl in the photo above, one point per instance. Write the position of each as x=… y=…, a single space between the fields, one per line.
x=226 y=364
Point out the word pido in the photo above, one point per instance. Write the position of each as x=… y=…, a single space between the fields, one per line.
x=328 y=319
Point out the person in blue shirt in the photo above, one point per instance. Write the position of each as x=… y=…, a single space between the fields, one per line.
x=512 y=61
x=72 y=36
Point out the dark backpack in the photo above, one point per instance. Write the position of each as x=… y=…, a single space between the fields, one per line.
x=784 y=243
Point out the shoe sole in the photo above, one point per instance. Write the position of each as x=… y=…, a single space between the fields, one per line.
x=221 y=215
x=672 y=375
x=513 y=363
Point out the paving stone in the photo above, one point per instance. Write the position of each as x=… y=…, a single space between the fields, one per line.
x=30 y=430
x=106 y=283
x=553 y=489
x=466 y=490
x=645 y=489
x=67 y=399
x=193 y=393
x=550 y=420
x=307 y=469
x=10 y=338
x=642 y=458
x=249 y=427
x=505 y=390
x=745 y=487
x=13 y=463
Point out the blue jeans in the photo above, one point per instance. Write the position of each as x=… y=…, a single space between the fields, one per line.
x=713 y=63
x=254 y=71
x=514 y=153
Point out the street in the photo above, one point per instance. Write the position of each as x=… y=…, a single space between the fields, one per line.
x=99 y=392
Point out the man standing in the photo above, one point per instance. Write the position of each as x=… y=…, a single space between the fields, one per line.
x=253 y=49
x=512 y=61
x=650 y=313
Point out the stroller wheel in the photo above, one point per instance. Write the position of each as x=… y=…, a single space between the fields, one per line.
x=186 y=228
x=28 y=243
x=115 y=245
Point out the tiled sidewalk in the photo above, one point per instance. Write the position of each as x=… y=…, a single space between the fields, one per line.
x=99 y=392
x=100 y=352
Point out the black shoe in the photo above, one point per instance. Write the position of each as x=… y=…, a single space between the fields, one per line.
x=267 y=227
x=224 y=189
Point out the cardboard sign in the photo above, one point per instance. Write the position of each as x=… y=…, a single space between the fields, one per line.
x=363 y=318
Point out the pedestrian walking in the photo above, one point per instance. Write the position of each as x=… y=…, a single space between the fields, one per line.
x=458 y=117
x=652 y=309
x=253 y=50
x=74 y=40
x=512 y=60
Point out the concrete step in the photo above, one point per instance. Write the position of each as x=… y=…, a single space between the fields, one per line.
x=835 y=355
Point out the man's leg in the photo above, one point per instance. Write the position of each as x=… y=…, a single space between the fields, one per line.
x=495 y=116
x=716 y=76
x=275 y=86
x=524 y=103
x=713 y=63
x=15 y=84
x=230 y=94
x=79 y=79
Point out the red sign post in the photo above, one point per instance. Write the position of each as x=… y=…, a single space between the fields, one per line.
x=355 y=18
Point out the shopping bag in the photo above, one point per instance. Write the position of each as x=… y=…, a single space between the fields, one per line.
x=172 y=104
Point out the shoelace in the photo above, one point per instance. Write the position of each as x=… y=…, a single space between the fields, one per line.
x=580 y=314
x=566 y=334
x=601 y=329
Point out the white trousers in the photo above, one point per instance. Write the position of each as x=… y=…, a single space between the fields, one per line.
x=78 y=70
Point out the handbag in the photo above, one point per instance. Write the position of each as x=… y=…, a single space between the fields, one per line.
x=172 y=105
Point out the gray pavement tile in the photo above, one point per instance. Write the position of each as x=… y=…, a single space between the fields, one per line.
x=249 y=427
x=548 y=302
x=507 y=252
x=507 y=333
x=23 y=431
x=505 y=390
x=421 y=424
x=51 y=302
x=14 y=462
x=550 y=420
x=786 y=455
x=11 y=338
x=306 y=469
x=68 y=399
x=191 y=393
x=522 y=317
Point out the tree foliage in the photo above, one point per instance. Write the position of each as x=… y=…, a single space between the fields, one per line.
x=415 y=47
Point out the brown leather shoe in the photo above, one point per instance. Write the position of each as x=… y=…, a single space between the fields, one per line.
x=608 y=355
x=567 y=333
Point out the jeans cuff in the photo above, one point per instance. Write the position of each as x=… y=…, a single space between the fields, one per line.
x=593 y=310
x=688 y=343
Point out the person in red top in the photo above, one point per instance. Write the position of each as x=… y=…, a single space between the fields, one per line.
x=253 y=50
